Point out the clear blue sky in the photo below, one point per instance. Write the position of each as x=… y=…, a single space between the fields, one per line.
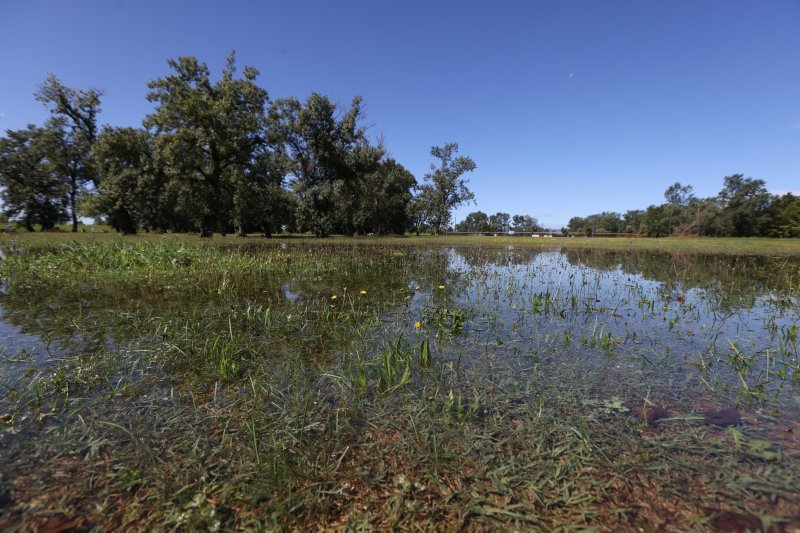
x=567 y=107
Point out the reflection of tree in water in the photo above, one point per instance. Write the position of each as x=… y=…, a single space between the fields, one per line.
x=501 y=257
x=732 y=277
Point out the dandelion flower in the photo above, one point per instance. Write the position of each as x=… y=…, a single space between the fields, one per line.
x=363 y=292
x=333 y=297
x=417 y=325
x=441 y=286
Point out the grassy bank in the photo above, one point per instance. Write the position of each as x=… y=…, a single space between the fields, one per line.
x=696 y=245
x=690 y=245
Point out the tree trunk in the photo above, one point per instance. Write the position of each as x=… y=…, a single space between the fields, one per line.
x=73 y=194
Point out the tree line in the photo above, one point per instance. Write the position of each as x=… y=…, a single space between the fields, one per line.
x=220 y=156
x=743 y=208
x=480 y=222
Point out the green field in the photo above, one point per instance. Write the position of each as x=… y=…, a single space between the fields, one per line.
x=694 y=245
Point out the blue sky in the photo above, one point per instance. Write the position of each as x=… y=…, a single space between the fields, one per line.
x=568 y=107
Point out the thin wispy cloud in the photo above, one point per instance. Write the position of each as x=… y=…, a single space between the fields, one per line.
x=795 y=126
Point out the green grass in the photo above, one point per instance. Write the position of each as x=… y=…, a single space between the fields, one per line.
x=219 y=385
x=693 y=245
x=690 y=245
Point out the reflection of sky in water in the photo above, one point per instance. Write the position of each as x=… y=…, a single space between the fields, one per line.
x=665 y=322
x=289 y=294
x=20 y=352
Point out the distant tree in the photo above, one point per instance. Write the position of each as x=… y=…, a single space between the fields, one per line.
x=477 y=222
x=677 y=209
x=207 y=134
x=677 y=194
x=655 y=221
x=632 y=220
x=33 y=191
x=605 y=222
x=525 y=223
x=500 y=222
x=74 y=117
x=783 y=216
x=743 y=208
x=445 y=188
x=745 y=202
x=577 y=226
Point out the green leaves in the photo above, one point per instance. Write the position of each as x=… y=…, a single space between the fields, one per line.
x=212 y=139
x=444 y=188
x=608 y=406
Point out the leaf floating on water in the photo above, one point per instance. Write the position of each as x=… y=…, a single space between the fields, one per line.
x=613 y=405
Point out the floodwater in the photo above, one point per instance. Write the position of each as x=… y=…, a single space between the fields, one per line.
x=705 y=332
x=676 y=353
x=721 y=329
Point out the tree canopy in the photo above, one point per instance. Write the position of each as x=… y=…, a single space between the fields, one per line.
x=444 y=187
x=743 y=208
x=214 y=155
x=217 y=155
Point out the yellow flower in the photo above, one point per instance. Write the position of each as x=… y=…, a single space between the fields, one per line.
x=363 y=292
x=417 y=325
x=333 y=297
x=441 y=286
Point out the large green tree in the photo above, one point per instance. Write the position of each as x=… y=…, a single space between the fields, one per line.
x=417 y=213
x=211 y=139
x=445 y=187
x=74 y=117
x=33 y=190
x=132 y=189
x=330 y=158
x=384 y=198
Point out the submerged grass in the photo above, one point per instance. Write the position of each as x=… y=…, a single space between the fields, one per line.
x=222 y=386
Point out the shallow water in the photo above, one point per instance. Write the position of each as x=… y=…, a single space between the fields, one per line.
x=715 y=330
x=734 y=346
x=589 y=337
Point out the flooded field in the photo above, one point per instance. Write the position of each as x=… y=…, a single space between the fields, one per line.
x=309 y=385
